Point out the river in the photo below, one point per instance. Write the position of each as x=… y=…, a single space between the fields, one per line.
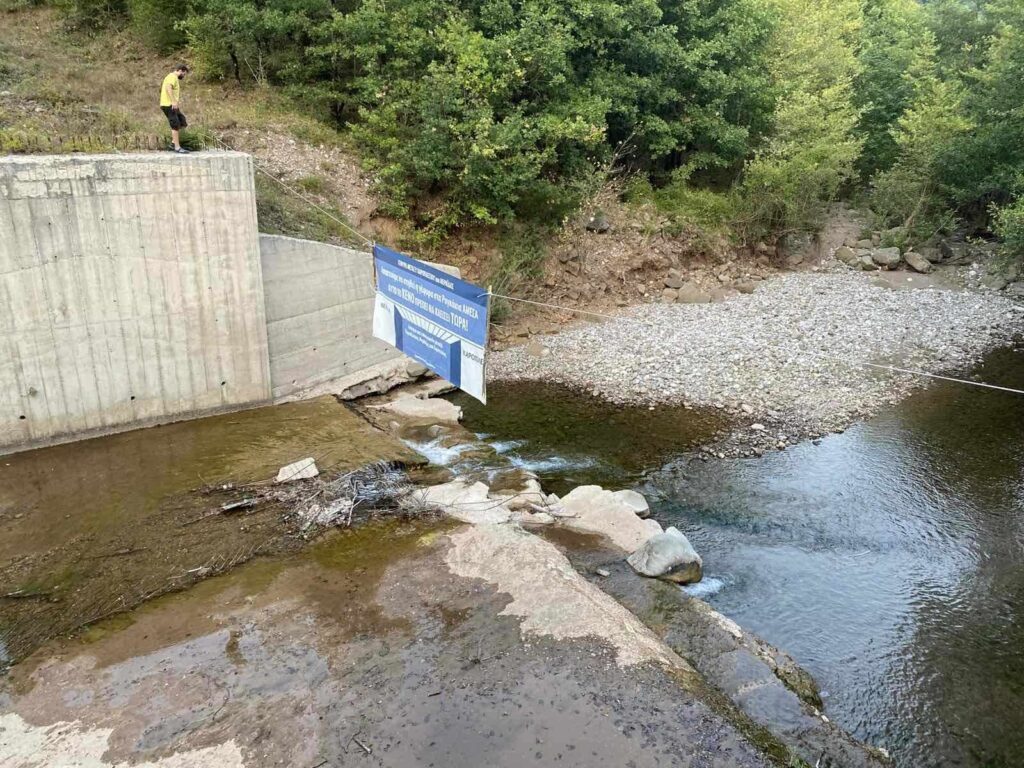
x=888 y=560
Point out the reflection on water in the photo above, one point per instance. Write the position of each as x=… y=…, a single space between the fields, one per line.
x=888 y=560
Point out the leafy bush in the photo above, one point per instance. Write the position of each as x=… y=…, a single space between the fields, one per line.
x=1009 y=225
x=155 y=23
x=896 y=56
x=505 y=109
x=810 y=155
x=522 y=261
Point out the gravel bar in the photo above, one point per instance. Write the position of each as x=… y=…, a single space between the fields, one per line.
x=786 y=357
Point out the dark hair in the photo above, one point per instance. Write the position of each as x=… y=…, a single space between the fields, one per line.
x=181 y=67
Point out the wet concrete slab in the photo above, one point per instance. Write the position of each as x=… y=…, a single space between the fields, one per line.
x=91 y=528
x=365 y=649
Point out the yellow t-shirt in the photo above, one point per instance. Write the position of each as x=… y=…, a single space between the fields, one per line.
x=172 y=80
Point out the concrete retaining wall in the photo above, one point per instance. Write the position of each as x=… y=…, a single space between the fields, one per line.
x=130 y=292
x=319 y=301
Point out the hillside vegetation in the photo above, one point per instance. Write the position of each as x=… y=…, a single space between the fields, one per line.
x=746 y=117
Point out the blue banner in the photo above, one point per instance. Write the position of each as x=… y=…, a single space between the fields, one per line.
x=435 y=318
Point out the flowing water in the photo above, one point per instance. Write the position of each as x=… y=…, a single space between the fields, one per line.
x=889 y=560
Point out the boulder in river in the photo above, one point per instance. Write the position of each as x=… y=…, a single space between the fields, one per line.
x=668 y=556
x=635 y=501
x=463 y=500
x=592 y=509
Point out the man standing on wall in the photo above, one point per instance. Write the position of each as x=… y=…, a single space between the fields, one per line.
x=170 y=97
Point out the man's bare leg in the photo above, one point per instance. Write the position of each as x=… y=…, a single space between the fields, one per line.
x=175 y=138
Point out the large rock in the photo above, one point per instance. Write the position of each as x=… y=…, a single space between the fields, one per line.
x=537 y=348
x=888 y=258
x=866 y=263
x=673 y=281
x=462 y=500
x=299 y=470
x=668 y=556
x=994 y=281
x=846 y=255
x=635 y=501
x=917 y=262
x=955 y=252
x=595 y=510
x=1016 y=290
x=797 y=247
x=597 y=223
x=430 y=410
x=520 y=491
x=691 y=294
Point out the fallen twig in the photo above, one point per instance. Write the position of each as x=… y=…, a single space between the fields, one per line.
x=365 y=748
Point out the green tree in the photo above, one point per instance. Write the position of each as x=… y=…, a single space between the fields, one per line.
x=493 y=109
x=984 y=166
x=812 y=148
x=897 y=58
x=911 y=194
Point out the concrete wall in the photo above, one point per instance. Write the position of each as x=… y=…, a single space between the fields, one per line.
x=319 y=301
x=130 y=292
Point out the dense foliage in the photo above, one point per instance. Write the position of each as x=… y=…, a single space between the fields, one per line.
x=753 y=113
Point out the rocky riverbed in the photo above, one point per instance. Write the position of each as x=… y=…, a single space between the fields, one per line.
x=790 y=360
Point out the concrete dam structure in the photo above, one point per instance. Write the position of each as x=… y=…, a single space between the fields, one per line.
x=136 y=289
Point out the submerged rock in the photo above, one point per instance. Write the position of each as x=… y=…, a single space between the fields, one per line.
x=668 y=556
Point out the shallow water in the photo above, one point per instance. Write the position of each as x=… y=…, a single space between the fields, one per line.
x=888 y=560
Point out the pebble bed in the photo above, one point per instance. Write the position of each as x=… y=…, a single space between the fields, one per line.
x=786 y=359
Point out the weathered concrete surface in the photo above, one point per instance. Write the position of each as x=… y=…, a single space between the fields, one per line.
x=130 y=292
x=319 y=302
x=364 y=650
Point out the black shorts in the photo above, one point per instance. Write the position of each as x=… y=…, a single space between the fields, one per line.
x=175 y=117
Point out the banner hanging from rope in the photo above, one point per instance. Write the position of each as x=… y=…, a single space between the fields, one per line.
x=433 y=317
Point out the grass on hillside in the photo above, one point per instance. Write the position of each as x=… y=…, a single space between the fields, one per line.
x=64 y=91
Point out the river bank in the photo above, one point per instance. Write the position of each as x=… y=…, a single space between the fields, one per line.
x=788 y=361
